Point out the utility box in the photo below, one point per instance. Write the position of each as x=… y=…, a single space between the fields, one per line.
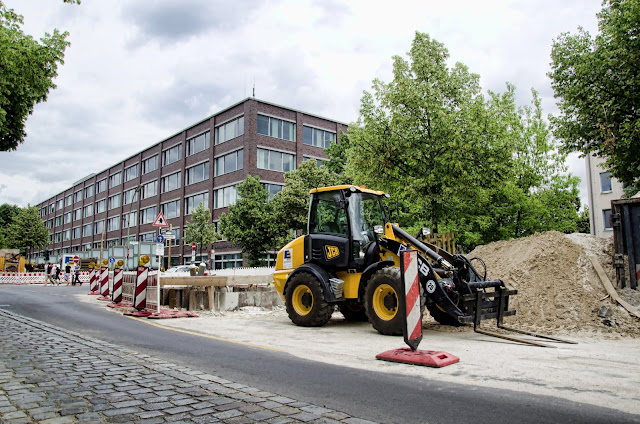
x=625 y=220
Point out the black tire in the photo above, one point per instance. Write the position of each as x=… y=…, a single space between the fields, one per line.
x=441 y=316
x=305 y=302
x=353 y=311
x=381 y=301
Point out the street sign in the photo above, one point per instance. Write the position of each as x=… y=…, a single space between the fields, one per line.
x=76 y=259
x=160 y=221
x=169 y=236
x=159 y=249
x=112 y=260
x=160 y=238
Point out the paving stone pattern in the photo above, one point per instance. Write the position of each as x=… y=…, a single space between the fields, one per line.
x=53 y=376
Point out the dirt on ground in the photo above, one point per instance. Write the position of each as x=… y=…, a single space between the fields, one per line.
x=559 y=291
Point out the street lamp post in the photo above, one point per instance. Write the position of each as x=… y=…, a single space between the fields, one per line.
x=135 y=192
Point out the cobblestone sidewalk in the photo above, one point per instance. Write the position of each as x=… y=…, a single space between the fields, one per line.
x=53 y=376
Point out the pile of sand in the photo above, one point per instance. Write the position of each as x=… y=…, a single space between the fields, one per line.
x=558 y=288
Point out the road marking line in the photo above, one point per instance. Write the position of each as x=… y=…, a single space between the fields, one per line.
x=193 y=333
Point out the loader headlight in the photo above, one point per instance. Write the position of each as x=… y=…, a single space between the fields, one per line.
x=378 y=229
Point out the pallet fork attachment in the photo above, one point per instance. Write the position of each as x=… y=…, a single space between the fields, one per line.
x=495 y=304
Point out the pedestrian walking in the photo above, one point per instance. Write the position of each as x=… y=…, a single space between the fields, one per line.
x=76 y=276
x=56 y=276
x=67 y=273
x=47 y=275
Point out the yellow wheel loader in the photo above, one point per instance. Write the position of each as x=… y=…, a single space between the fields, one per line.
x=349 y=258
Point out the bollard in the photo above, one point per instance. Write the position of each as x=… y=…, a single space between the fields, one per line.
x=104 y=281
x=93 y=282
x=140 y=296
x=117 y=286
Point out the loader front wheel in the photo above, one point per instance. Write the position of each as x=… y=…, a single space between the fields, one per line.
x=381 y=301
x=305 y=302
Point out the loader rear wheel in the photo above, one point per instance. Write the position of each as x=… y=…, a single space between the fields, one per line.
x=381 y=301
x=305 y=302
x=353 y=311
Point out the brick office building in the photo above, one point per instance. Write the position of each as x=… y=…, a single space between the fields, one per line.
x=201 y=164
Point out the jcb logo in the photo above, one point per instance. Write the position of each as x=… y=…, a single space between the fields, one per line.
x=331 y=252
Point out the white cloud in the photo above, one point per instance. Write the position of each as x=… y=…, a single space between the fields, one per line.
x=137 y=72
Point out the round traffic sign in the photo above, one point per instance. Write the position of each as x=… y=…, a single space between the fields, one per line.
x=112 y=260
x=76 y=259
x=160 y=238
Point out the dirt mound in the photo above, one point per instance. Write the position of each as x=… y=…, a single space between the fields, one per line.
x=558 y=289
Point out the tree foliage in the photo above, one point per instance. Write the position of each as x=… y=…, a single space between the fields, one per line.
x=27 y=231
x=27 y=70
x=597 y=81
x=250 y=222
x=200 y=229
x=7 y=213
x=481 y=167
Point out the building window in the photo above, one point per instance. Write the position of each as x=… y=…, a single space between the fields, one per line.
x=278 y=128
x=52 y=208
x=98 y=227
x=129 y=196
x=87 y=211
x=75 y=233
x=115 y=179
x=170 y=182
x=170 y=209
x=126 y=240
x=272 y=189
x=605 y=182
x=68 y=201
x=86 y=247
x=66 y=235
x=229 y=163
x=101 y=186
x=77 y=214
x=198 y=143
x=606 y=219
x=171 y=155
x=50 y=224
x=150 y=164
x=43 y=212
x=113 y=223
x=150 y=189
x=67 y=217
x=131 y=222
x=197 y=173
x=230 y=260
x=317 y=137
x=88 y=192
x=101 y=206
x=131 y=172
x=77 y=196
x=58 y=221
x=276 y=161
x=114 y=201
x=190 y=203
x=86 y=230
x=224 y=197
x=148 y=215
x=60 y=204
x=148 y=237
x=229 y=130
x=319 y=162
x=58 y=237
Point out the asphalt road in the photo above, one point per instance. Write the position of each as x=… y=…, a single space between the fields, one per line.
x=368 y=395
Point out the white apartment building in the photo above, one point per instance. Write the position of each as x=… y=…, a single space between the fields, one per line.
x=602 y=189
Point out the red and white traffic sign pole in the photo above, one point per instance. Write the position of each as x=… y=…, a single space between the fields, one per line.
x=410 y=307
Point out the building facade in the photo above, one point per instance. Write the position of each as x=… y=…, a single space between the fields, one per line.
x=602 y=189
x=200 y=164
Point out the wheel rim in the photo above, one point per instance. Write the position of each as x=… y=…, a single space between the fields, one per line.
x=385 y=302
x=302 y=300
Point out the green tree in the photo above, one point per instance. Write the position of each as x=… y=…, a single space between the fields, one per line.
x=7 y=213
x=291 y=204
x=597 y=81
x=480 y=167
x=200 y=229
x=27 y=231
x=584 y=225
x=28 y=68
x=250 y=222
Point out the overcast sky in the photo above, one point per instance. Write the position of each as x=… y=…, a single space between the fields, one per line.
x=138 y=71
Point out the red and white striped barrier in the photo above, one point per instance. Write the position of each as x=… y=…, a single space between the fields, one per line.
x=104 y=281
x=22 y=277
x=140 y=296
x=413 y=322
x=117 y=286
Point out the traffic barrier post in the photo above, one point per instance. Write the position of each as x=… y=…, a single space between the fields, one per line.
x=140 y=295
x=116 y=297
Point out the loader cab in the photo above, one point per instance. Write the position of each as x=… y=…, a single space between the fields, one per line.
x=342 y=228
